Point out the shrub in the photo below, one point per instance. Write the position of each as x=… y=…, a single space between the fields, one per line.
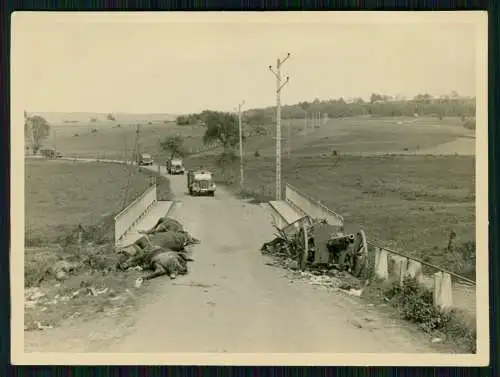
x=416 y=305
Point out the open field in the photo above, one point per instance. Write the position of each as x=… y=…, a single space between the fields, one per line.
x=117 y=142
x=355 y=135
x=101 y=118
x=366 y=135
x=58 y=195
x=409 y=203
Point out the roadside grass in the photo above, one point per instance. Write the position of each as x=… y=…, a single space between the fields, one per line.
x=63 y=199
x=59 y=195
x=84 y=294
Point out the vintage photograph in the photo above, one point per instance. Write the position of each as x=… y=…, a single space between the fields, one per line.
x=308 y=184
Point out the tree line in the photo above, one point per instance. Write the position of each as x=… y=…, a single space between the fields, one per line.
x=379 y=105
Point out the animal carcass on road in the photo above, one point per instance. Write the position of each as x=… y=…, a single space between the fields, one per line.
x=164 y=224
x=161 y=261
x=176 y=241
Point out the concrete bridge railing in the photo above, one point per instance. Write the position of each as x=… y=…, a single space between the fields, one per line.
x=134 y=212
x=307 y=205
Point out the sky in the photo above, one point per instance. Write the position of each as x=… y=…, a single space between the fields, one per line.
x=150 y=63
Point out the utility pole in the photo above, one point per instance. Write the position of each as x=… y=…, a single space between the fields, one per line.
x=135 y=155
x=305 y=121
x=279 y=86
x=240 y=127
x=289 y=149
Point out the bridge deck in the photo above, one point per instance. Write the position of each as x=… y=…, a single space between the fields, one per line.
x=285 y=210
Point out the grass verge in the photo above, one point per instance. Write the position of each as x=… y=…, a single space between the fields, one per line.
x=414 y=303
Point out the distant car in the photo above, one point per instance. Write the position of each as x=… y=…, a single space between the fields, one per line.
x=174 y=166
x=59 y=155
x=145 y=159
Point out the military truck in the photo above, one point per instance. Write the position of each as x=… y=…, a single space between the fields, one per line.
x=200 y=182
x=174 y=166
x=144 y=159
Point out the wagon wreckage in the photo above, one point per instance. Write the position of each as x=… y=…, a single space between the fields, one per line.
x=327 y=246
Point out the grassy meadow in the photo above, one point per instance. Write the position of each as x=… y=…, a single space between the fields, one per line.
x=354 y=135
x=116 y=141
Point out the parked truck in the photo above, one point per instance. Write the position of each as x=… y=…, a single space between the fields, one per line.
x=200 y=182
x=174 y=166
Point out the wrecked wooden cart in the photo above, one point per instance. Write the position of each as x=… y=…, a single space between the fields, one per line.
x=315 y=243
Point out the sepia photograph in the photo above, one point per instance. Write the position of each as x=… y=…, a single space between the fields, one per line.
x=251 y=188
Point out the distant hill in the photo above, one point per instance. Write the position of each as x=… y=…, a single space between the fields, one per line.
x=85 y=117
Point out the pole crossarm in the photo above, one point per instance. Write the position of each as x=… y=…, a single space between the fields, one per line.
x=282 y=85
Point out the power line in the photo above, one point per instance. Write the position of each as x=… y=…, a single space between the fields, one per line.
x=134 y=156
x=279 y=87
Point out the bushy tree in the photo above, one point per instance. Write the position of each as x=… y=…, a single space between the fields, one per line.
x=36 y=129
x=173 y=145
x=110 y=117
x=221 y=128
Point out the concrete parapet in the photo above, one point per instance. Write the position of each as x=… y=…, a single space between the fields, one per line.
x=403 y=270
x=414 y=271
x=381 y=271
x=442 y=291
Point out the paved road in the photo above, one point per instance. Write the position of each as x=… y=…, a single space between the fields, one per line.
x=231 y=301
